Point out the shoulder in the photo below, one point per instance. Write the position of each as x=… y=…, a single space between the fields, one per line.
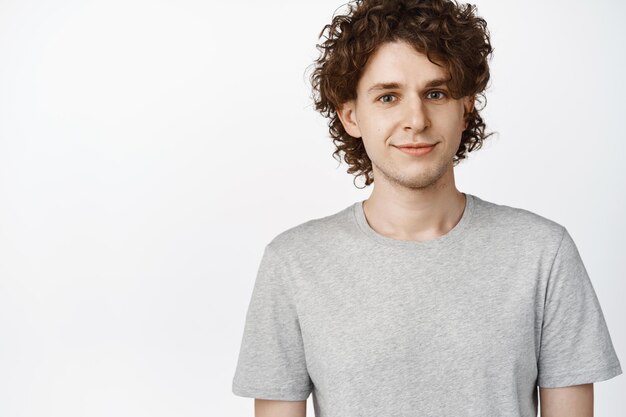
x=517 y=223
x=316 y=233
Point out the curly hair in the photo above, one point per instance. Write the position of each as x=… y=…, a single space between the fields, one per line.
x=443 y=29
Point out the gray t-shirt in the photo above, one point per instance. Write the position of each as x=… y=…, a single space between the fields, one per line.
x=467 y=324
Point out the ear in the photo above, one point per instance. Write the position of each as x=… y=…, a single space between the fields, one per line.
x=468 y=104
x=347 y=116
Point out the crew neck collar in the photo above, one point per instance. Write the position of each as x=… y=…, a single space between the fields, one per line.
x=453 y=234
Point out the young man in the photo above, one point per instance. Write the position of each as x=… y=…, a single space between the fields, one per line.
x=421 y=300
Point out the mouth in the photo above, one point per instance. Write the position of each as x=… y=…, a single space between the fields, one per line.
x=417 y=150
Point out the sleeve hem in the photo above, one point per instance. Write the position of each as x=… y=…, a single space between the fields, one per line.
x=269 y=393
x=578 y=378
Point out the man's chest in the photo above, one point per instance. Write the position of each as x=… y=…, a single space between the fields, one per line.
x=406 y=321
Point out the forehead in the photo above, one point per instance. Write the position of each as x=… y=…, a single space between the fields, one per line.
x=399 y=62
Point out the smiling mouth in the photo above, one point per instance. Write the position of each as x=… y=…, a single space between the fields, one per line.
x=416 y=151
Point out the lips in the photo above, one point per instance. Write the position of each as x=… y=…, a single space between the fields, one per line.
x=417 y=149
x=416 y=145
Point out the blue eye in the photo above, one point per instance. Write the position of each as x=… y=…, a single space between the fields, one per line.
x=438 y=92
x=386 y=95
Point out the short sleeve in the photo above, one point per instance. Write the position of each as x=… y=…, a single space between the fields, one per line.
x=271 y=362
x=576 y=347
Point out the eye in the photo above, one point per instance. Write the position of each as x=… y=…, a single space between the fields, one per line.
x=386 y=95
x=438 y=92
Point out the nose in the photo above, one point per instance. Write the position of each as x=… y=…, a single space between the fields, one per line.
x=415 y=115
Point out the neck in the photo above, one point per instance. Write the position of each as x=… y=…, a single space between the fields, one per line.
x=415 y=214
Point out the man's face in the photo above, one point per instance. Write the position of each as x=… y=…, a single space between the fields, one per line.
x=410 y=112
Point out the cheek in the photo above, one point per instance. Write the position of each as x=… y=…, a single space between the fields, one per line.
x=376 y=128
x=455 y=123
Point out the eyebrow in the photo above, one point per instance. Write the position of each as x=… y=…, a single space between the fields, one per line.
x=394 y=85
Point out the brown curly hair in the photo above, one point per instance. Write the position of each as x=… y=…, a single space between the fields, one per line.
x=443 y=29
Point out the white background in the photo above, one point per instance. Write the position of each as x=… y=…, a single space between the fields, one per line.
x=150 y=149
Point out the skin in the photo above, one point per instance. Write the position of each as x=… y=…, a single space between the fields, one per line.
x=415 y=197
x=272 y=408
x=573 y=401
